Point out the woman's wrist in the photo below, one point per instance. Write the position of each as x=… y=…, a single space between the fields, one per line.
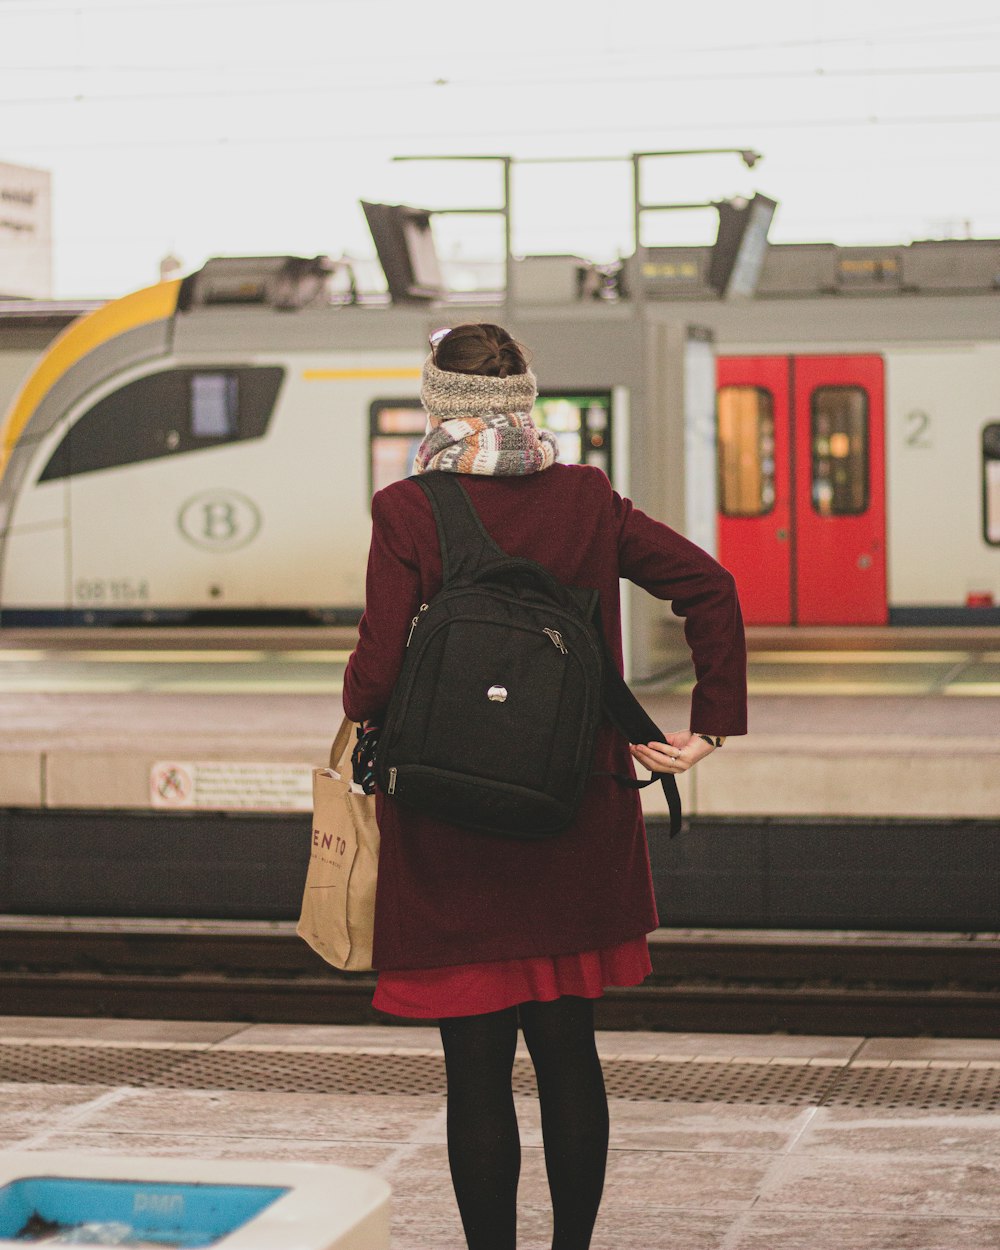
x=713 y=740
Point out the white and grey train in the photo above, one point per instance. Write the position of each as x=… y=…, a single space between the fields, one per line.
x=206 y=450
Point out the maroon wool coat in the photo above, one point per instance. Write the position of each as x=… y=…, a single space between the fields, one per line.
x=450 y=896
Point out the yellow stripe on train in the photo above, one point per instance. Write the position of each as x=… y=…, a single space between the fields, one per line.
x=347 y=375
x=153 y=303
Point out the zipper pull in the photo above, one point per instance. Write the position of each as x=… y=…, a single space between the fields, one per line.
x=413 y=623
x=555 y=638
x=392 y=781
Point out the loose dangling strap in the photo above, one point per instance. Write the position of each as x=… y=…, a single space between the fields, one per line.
x=629 y=717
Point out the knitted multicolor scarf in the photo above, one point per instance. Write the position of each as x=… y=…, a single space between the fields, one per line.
x=482 y=425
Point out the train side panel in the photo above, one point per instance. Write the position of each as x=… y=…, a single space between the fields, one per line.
x=275 y=522
x=127 y=510
x=940 y=398
x=34 y=560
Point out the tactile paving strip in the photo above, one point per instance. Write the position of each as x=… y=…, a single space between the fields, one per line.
x=349 y=1071
x=924 y=1088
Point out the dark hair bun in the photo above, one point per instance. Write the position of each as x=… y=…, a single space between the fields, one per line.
x=482 y=348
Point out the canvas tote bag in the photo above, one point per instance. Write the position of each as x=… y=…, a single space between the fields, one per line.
x=338 y=903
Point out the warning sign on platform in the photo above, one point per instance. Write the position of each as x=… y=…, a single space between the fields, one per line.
x=218 y=785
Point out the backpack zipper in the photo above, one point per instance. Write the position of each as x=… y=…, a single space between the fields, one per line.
x=413 y=623
x=555 y=638
x=392 y=781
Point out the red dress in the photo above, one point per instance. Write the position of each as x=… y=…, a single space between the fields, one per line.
x=474 y=989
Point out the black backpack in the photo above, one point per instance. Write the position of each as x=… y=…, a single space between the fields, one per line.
x=506 y=678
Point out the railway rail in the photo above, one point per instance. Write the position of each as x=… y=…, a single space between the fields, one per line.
x=857 y=983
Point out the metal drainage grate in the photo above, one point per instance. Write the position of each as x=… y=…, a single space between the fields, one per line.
x=359 y=1072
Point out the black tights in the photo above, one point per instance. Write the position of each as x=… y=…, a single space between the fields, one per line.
x=484 y=1149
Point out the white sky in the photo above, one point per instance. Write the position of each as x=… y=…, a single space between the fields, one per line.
x=252 y=126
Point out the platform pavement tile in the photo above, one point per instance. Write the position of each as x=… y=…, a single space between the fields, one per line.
x=724 y=1046
x=177 y=1145
x=692 y=1127
x=703 y=1127
x=428 y=1224
x=359 y=1035
x=424 y=1173
x=422 y=1224
x=871 y=1183
x=21 y=778
x=784 y=1230
x=779 y=781
x=13 y=1027
x=694 y=1181
x=848 y=1131
x=177 y=1032
x=99 y=780
x=658 y=1229
x=28 y=1109
x=324 y=1117
x=931 y=1048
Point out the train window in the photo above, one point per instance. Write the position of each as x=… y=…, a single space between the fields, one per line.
x=581 y=425
x=746 y=451
x=397 y=429
x=991 y=483
x=839 y=450
x=215 y=405
x=167 y=414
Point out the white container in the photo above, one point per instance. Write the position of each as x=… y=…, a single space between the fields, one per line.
x=324 y=1206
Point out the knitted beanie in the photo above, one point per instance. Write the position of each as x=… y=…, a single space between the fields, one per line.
x=447 y=395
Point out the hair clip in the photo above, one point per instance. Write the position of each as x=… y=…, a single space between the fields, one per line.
x=437 y=335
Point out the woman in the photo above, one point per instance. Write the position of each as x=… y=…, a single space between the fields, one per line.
x=483 y=933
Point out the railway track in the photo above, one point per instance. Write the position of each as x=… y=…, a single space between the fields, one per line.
x=904 y=984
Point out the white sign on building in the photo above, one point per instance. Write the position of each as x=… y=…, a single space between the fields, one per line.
x=25 y=232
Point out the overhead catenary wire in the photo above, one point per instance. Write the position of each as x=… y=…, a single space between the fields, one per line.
x=954 y=28
x=341 y=87
x=475 y=138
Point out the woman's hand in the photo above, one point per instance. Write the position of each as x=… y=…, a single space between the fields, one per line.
x=676 y=755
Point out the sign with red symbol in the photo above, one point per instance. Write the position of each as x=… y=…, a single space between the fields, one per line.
x=222 y=785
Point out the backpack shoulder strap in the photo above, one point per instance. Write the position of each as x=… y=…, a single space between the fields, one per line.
x=465 y=544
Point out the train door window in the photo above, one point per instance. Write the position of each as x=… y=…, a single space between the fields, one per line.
x=991 y=483
x=215 y=405
x=746 y=451
x=839 y=440
x=581 y=425
x=167 y=414
x=397 y=430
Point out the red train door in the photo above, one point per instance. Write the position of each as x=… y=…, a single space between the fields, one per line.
x=802 y=487
x=755 y=496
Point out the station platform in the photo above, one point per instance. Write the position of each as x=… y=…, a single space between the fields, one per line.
x=137 y=768
x=718 y=1142
x=850 y=722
